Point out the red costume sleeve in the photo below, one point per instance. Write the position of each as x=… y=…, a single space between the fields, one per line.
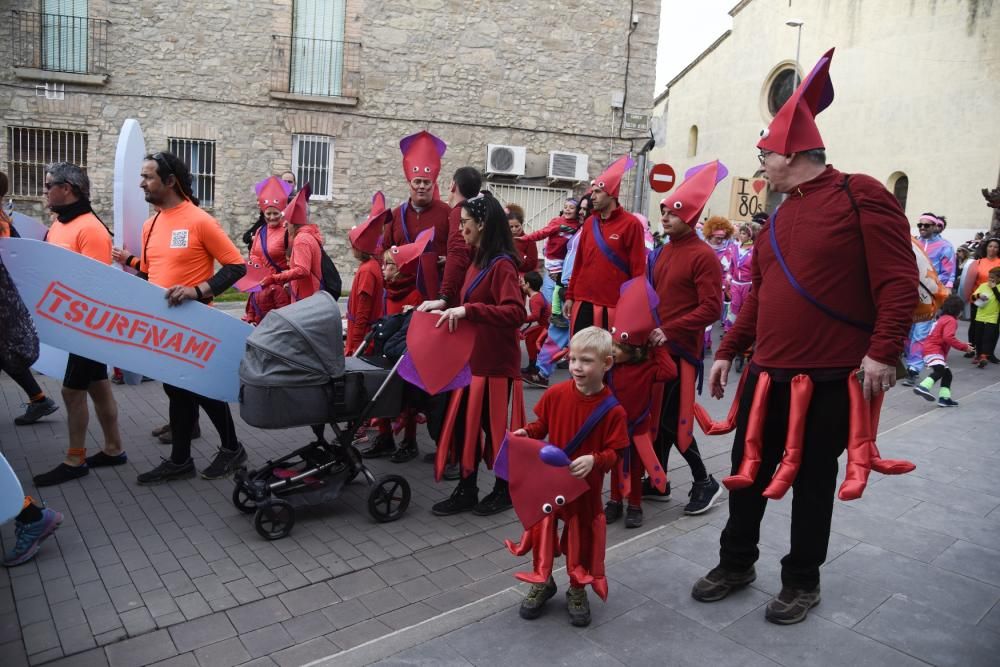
x=948 y=328
x=508 y=311
x=707 y=275
x=457 y=259
x=299 y=266
x=545 y=232
x=529 y=261
x=613 y=438
x=637 y=250
x=535 y=305
x=666 y=369
x=744 y=331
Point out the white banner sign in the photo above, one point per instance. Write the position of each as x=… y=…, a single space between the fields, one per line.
x=88 y=308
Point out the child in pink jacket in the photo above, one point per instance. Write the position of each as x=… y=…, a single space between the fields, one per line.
x=936 y=347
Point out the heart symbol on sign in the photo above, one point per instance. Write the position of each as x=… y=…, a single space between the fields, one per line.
x=759 y=185
x=438 y=355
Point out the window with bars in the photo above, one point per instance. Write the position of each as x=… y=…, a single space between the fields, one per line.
x=312 y=160
x=29 y=149
x=199 y=156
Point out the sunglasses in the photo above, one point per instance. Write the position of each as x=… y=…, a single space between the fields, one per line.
x=924 y=225
x=49 y=186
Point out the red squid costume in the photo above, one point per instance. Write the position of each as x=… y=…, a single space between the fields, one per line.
x=402 y=291
x=824 y=296
x=268 y=251
x=638 y=387
x=364 y=305
x=422 y=154
x=577 y=424
x=611 y=250
x=304 y=270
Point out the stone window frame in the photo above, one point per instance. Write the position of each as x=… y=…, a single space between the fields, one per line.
x=769 y=82
x=25 y=163
x=304 y=166
x=899 y=180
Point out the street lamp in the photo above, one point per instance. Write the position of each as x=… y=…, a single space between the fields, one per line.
x=796 y=23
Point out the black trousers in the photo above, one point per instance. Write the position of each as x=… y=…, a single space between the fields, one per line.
x=583 y=314
x=987 y=335
x=183 y=411
x=812 y=492
x=941 y=374
x=666 y=436
x=25 y=380
x=458 y=437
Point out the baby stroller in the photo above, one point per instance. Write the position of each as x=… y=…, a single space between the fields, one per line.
x=294 y=373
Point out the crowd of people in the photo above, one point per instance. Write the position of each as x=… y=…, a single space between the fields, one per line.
x=816 y=327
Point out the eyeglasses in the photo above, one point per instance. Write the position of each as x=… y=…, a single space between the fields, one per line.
x=923 y=225
x=48 y=186
x=763 y=156
x=160 y=159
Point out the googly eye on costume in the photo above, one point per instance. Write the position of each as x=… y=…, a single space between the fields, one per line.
x=394 y=250
x=600 y=184
x=416 y=170
x=613 y=330
x=427 y=170
x=547 y=508
x=765 y=132
x=560 y=500
x=678 y=205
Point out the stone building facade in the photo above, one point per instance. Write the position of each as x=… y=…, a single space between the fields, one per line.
x=915 y=104
x=217 y=75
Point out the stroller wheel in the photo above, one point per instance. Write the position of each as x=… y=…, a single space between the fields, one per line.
x=242 y=499
x=275 y=519
x=388 y=500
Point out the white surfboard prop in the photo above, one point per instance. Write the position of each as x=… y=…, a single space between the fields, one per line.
x=11 y=493
x=88 y=308
x=28 y=227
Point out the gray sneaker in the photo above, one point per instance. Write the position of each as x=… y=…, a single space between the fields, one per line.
x=35 y=410
x=534 y=602
x=225 y=463
x=720 y=582
x=167 y=471
x=703 y=496
x=791 y=606
x=578 y=607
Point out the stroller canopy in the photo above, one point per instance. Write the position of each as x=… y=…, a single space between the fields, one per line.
x=298 y=345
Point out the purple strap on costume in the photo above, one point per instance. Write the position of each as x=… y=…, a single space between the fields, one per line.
x=263 y=247
x=402 y=221
x=408 y=372
x=603 y=408
x=595 y=228
x=482 y=274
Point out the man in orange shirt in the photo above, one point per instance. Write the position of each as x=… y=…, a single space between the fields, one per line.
x=180 y=246
x=76 y=228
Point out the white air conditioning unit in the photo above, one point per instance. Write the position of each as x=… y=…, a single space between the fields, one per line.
x=568 y=166
x=505 y=160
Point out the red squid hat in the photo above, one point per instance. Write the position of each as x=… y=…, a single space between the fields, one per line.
x=297 y=211
x=611 y=179
x=406 y=255
x=366 y=236
x=272 y=192
x=422 y=153
x=635 y=313
x=794 y=126
x=690 y=197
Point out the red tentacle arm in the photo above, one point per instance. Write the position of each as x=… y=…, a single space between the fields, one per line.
x=473 y=424
x=788 y=469
x=647 y=456
x=710 y=427
x=543 y=544
x=445 y=454
x=685 y=420
x=859 y=443
x=753 y=441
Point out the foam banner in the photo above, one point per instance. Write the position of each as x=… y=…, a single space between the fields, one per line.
x=11 y=494
x=28 y=228
x=83 y=306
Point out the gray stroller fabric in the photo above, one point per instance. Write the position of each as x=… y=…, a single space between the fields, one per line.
x=296 y=346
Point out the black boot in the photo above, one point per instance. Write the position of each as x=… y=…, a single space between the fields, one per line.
x=463 y=499
x=496 y=501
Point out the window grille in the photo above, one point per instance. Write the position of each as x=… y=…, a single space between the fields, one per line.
x=317 y=47
x=540 y=204
x=312 y=161
x=30 y=149
x=199 y=156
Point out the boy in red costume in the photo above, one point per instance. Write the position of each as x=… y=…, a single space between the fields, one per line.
x=364 y=306
x=563 y=413
x=537 y=322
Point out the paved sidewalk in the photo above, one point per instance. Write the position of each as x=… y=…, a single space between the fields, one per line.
x=138 y=575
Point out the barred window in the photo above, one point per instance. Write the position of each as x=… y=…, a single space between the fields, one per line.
x=199 y=156
x=29 y=149
x=312 y=161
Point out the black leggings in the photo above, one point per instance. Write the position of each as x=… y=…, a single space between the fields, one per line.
x=667 y=435
x=941 y=374
x=25 y=380
x=986 y=340
x=183 y=410
x=583 y=312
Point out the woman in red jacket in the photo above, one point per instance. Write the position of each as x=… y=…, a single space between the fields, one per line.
x=477 y=416
x=268 y=249
x=527 y=251
x=304 y=273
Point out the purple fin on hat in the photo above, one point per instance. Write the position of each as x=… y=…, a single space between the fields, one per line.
x=719 y=176
x=287 y=187
x=439 y=145
x=501 y=465
x=818 y=98
x=408 y=372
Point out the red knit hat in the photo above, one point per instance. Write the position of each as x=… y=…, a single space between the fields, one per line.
x=793 y=129
x=297 y=211
x=611 y=179
x=690 y=197
x=635 y=313
x=272 y=192
x=406 y=255
x=366 y=236
x=422 y=154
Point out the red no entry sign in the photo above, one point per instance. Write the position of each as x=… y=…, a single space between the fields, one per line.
x=661 y=177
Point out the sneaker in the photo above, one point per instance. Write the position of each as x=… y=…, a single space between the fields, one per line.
x=981 y=363
x=118 y=378
x=35 y=410
x=650 y=492
x=61 y=473
x=160 y=430
x=559 y=321
x=969 y=355
x=910 y=379
x=703 y=495
x=633 y=517
x=383 y=446
x=536 y=380
x=167 y=471
x=923 y=392
x=993 y=359
x=791 y=606
x=494 y=502
x=452 y=472
x=946 y=403
x=462 y=499
x=101 y=460
x=407 y=451
x=612 y=511
x=720 y=582
x=167 y=437
x=225 y=463
x=28 y=537
x=578 y=607
x=534 y=602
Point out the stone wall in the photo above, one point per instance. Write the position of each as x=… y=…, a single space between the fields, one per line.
x=539 y=75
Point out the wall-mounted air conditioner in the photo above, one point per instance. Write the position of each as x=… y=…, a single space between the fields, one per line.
x=568 y=166
x=505 y=160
